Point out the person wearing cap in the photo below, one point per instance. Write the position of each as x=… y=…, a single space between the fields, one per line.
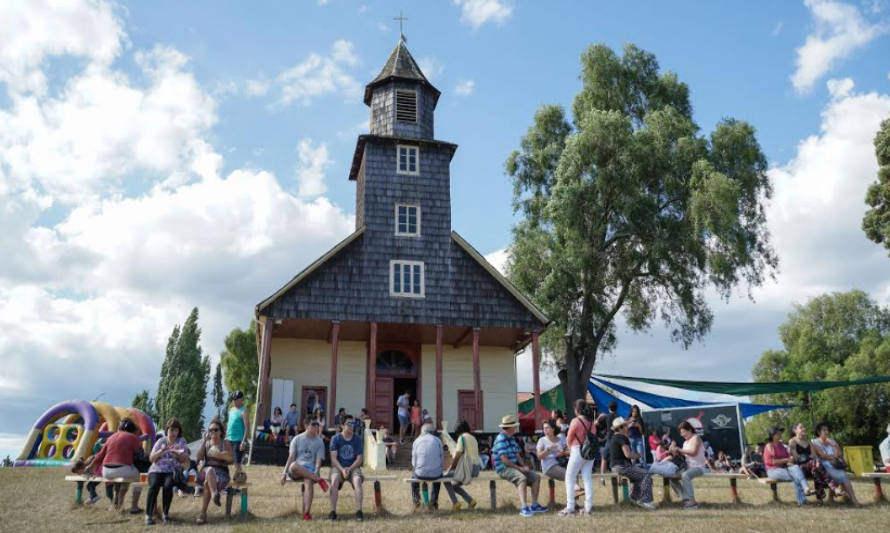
x=508 y=465
x=780 y=465
x=236 y=432
x=884 y=448
x=304 y=463
x=622 y=457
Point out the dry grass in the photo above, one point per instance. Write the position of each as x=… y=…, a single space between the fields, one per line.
x=38 y=500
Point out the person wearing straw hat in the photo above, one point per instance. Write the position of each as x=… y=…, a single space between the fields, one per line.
x=508 y=465
x=622 y=457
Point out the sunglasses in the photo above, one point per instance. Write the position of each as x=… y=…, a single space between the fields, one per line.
x=215 y=430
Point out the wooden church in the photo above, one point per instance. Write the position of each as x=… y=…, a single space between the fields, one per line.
x=404 y=302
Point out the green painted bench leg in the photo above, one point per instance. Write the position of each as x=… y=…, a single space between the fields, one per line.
x=244 y=501
x=78 y=493
x=625 y=493
x=425 y=493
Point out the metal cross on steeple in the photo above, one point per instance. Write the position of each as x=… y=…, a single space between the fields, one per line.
x=401 y=19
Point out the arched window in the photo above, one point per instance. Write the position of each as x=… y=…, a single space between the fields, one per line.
x=394 y=362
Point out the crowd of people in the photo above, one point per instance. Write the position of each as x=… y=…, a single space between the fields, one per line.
x=568 y=449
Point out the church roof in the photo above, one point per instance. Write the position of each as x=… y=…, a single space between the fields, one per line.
x=399 y=65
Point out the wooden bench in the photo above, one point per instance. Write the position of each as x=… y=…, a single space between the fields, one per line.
x=230 y=491
x=378 y=494
x=774 y=488
x=731 y=476
x=876 y=478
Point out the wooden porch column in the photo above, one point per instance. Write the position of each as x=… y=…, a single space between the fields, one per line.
x=335 y=342
x=536 y=378
x=477 y=397
x=372 y=369
x=265 y=348
x=439 y=334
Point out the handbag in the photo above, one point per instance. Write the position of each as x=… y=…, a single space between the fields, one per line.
x=680 y=461
x=839 y=463
x=463 y=473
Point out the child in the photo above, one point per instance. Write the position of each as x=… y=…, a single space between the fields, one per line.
x=416 y=419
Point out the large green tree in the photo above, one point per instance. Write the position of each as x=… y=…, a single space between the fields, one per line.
x=145 y=403
x=185 y=373
x=219 y=398
x=628 y=208
x=239 y=361
x=876 y=222
x=838 y=336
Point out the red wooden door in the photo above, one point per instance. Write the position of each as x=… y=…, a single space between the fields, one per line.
x=383 y=401
x=466 y=408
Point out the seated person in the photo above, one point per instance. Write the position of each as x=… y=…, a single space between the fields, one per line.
x=831 y=455
x=117 y=458
x=485 y=461
x=622 y=463
x=752 y=462
x=291 y=421
x=508 y=465
x=391 y=444
x=693 y=450
x=426 y=461
x=304 y=463
x=552 y=451
x=723 y=463
x=347 y=453
x=884 y=448
x=780 y=465
x=166 y=457
x=214 y=457
x=275 y=422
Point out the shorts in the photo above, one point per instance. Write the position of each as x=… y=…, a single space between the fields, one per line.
x=336 y=476
x=237 y=454
x=404 y=421
x=125 y=471
x=516 y=477
x=292 y=477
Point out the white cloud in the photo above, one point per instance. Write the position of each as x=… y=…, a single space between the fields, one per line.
x=475 y=13
x=777 y=29
x=34 y=30
x=382 y=27
x=322 y=2
x=256 y=87
x=498 y=259
x=838 y=30
x=317 y=76
x=431 y=67
x=312 y=164
x=464 y=87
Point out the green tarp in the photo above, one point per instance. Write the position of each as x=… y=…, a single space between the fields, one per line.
x=550 y=400
x=749 y=389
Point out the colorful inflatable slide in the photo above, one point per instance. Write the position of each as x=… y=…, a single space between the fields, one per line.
x=68 y=431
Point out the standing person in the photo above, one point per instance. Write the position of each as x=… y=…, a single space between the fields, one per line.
x=237 y=434
x=636 y=432
x=416 y=419
x=291 y=421
x=275 y=422
x=426 y=461
x=832 y=457
x=166 y=457
x=622 y=456
x=802 y=453
x=214 y=455
x=466 y=449
x=780 y=465
x=117 y=458
x=508 y=465
x=404 y=413
x=884 y=448
x=562 y=425
x=552 y=450
x=696 y=464
x=304 y=463
x=579 y=428
x=606 y=450
x=347 y=453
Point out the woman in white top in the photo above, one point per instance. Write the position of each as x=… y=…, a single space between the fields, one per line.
x=696 y=464
x=829 y=452
x=551 y=447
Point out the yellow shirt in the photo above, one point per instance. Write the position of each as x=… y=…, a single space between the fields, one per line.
x=467 y=444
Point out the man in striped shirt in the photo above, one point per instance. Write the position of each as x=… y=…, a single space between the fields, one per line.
x=508 y=465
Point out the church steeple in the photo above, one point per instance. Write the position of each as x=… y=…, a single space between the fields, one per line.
x=401 y=98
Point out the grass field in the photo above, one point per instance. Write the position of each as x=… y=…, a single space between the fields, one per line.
x=37 y=500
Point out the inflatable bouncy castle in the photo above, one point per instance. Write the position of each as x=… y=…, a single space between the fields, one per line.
x=68 y=431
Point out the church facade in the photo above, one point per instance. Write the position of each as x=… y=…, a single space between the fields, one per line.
x=404 y=303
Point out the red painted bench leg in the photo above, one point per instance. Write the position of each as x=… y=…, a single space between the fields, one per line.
x=879 y=492
x=734 y=489
x=378 y=497
x=552 y=486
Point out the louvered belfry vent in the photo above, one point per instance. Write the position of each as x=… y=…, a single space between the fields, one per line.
x=406 y=106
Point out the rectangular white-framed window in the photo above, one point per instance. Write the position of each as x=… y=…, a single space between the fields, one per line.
x=406 y=278
x=407 y=159
x=407 y=220
x=406 y=105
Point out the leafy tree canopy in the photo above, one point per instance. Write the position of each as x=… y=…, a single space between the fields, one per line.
x=239 y=361
x=876 y=222
x=838 y=336
x=627 y=207
x=145 y=403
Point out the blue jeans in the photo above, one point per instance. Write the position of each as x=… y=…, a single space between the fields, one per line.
x=638 y=445
x=794 y=474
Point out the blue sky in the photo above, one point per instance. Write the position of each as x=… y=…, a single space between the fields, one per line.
x=157 y=156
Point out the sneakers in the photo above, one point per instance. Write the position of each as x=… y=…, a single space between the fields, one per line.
x=149 y=521
x=567 y=512
x=457 y=506
x=526 y=511
x=307 y=517
x=472 y=504
x=644 y=505
x=92 y=500
x=538 y=508
x=333 y=515
x=360 y=516
x=690 y=505
x=323 y=484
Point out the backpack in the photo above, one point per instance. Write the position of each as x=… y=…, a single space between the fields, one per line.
x=590 y=447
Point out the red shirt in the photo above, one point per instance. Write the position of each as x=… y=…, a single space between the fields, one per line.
x=578 y=431
x=119 y=450
x=772 y=452
x=654 y=441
